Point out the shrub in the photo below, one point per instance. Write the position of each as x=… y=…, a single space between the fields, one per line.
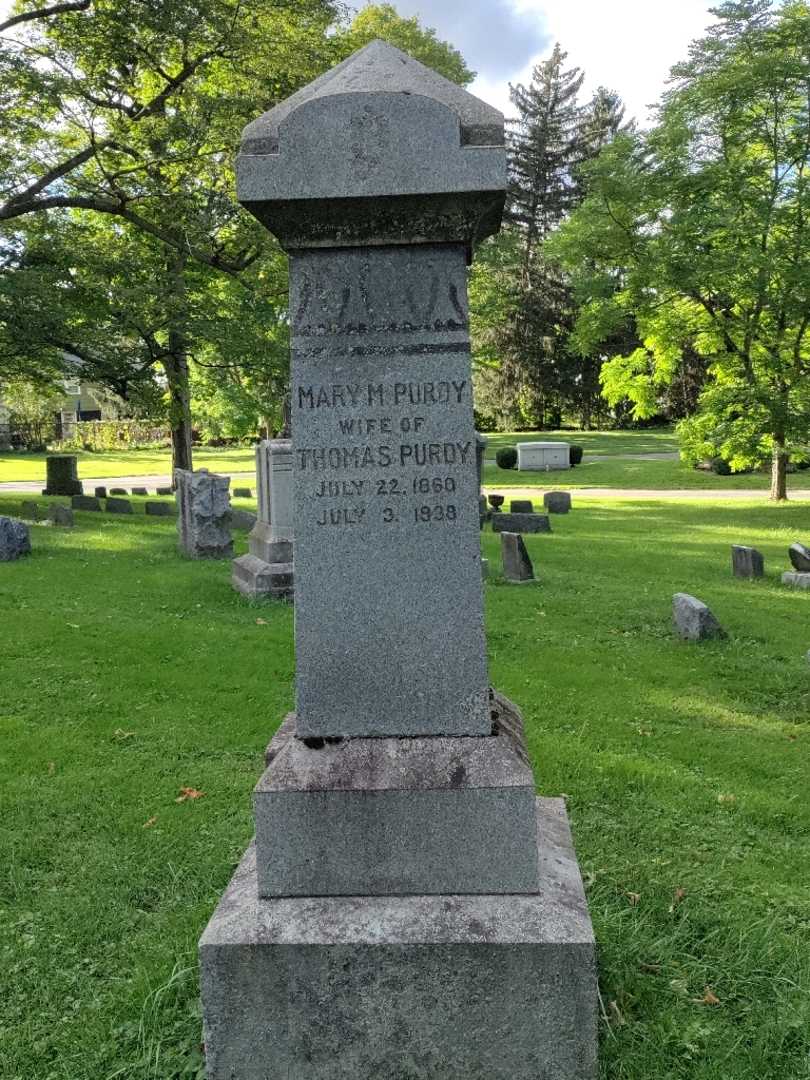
x=575 y=454
x=506 y=457
x=721 y=467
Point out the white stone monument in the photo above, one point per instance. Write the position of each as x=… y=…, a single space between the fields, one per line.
x=543 y=456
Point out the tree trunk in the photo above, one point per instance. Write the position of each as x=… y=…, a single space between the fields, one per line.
x=175 y=364
x=779 y=469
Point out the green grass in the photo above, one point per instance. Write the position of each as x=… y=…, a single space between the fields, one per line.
x=649 y=441
x=625 y=473
x=19 y=467
x=128 y=673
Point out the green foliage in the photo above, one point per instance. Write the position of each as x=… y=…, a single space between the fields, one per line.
x=384 y=22
x=575 y=453
x=506 y=457
x=697 y=234
x=101 y=435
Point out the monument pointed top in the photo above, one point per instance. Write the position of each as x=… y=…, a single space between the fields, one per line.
x=380 y=67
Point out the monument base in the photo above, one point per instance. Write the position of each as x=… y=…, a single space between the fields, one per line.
x=493 y=987
x=259 y=580
x=797 y=579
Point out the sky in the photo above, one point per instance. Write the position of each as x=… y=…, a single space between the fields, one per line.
x=626 y=45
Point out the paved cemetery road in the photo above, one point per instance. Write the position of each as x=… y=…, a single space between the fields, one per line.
x=90 y=482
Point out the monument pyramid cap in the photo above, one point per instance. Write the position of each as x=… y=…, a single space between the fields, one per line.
x=380 y=149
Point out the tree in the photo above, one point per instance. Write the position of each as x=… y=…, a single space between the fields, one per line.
x=700 y=233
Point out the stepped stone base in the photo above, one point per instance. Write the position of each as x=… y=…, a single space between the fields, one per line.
x=257 y=579
x=494 y=987
x=796 y=579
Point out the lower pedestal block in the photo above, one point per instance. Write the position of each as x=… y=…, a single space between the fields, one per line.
x=256 y=579
x=493 y=987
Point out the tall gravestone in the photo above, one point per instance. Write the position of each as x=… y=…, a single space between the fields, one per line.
x=203 y=514
x=62 y=472
x=267 y=569
x=409 y=908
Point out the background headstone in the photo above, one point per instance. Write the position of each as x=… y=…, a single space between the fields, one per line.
x=62 y=475
x=521 y=506
x=85 y=502
x=164 y=491
x=242 y=493
x=118 y=491
x=118 y=506
x=266 y=572
x=521 y=523
x=204 y=514
x=159 y=509
x=796 y=579
x=140 y=491
x=242 y=519
x=100 y=492
x=15 y=539
x=60 y=515
x=799 y=557
x=693 y=620
x=517 y=566
x=33 y=511
x=746 y=562
x=557 y=502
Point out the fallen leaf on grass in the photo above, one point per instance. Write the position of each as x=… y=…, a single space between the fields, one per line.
x=726 y=798
x=51 y=768
x=633 y=898
x=677 y=899
x=148 y=824
x=261 y=622
x=709 y=998
x=119 y=734
x=189 y=793
x=74 y=626
x=650 y=969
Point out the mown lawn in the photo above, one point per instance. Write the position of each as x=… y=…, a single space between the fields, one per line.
x=648 y=441
x=111 y=463
x=627 y=473
x=129 y=674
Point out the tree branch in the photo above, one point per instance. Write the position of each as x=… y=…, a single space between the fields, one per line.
x=44 y=13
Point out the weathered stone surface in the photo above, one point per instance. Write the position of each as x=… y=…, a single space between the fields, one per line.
x=480 y=449
x=62 y=475
x=746 y=562
x=521 y=506
x=85 y=502
x=517 y=566
x=408 y=987
x=521 y=523
x=33 y=511
x=557 y=502
x=796 y=579
x=60 y=515
x=164 y=491
x=15 y=539
x=799 y=558
x=388 y=512
x=543 y=456
x=118 y=506
x=140 y=491
x=370 y=817
x=261 y=580
x=160 y=509
x=693 y=620
x=264 y=545
x=242 y=519
x=100 y=492
x=204 y=514
x=242 y=493
x=366 y=118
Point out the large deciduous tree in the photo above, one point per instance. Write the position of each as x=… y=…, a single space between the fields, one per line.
x=699 y=234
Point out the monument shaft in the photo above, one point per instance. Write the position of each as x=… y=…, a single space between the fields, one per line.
x=389 y=627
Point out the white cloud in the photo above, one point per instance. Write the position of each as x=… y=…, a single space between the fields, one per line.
x=627 y=45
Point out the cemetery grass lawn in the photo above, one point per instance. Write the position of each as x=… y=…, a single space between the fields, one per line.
x=626 y=473
x=647 y=441
x=112 y=463
x=130 y=674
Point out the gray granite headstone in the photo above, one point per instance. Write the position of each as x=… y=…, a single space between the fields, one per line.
x=118 y=506
x=409 y=902
x=140 y=491
x=521 y=523
x=799 y=557
x=60 y=515
x=164 y=491
x=85 y=502
x=242 y=493
x=159 y=509
x=746 y=562
x=557 y=502
x=15 y=539
x=118 y=491
x=100 y=492
x=62 y=475
x=796 y=579
x=242 y=519
x=693 y=620
x=33 y=511
x=521 y=506
x=204 y=514
x=517 y=566
x=266 y=572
